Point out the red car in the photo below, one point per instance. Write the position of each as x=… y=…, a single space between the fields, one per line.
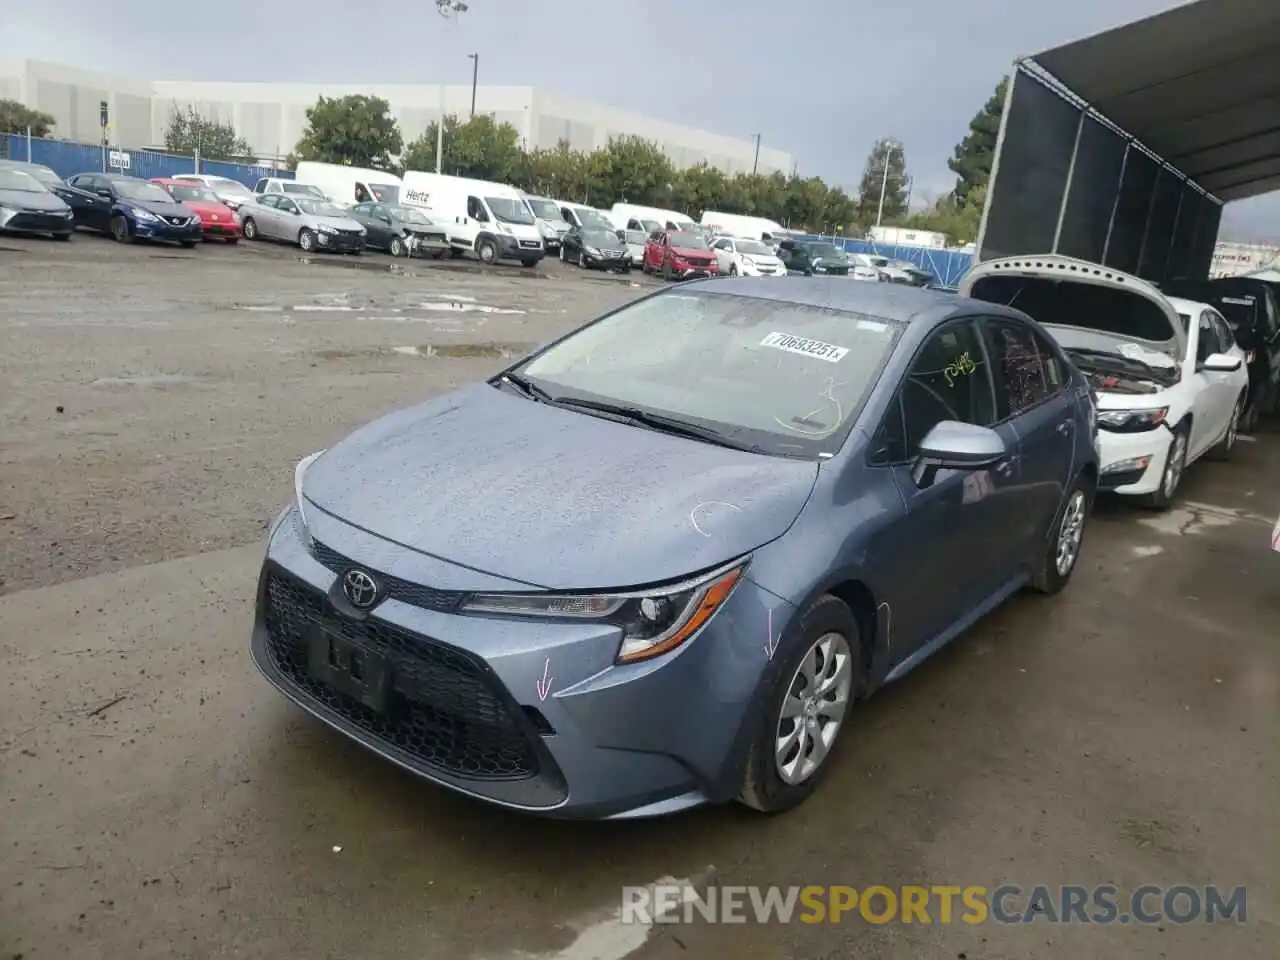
x=679 y=255
x=216 y=218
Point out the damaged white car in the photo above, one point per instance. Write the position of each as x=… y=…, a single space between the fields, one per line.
x=1169 y=377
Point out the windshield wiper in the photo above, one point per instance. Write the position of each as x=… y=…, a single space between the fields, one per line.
x=527 y=387
x=659 y=422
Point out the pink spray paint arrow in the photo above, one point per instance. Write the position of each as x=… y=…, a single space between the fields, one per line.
x=544 y=684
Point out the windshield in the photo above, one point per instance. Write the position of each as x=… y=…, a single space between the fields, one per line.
x=545 y=209
x=305 y=189
x=651 y=225
x=636 y=236
x=231 y=188
x=138 y=190
x=408 y=214
x=688 y=226
x=754 y=247
x=385 y=192
x=318 y=208
x=789 y=378
x=508 y=210
x=20 y=180
x=825 y=251
x=593 y=219
x=691 y=241
x=184 y=192
x=600 y=238
x=1238 y=306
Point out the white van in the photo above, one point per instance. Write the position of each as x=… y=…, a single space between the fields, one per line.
x=348 y=185
x=489 y=220
x=551 y=222
x=584 y=217
x=749 y=228
x=623 y=214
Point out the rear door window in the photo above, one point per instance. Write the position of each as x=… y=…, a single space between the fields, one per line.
x=1018 y=367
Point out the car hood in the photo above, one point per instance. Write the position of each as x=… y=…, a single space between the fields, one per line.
x=29 y=200
x=208 y=209
x=691 y=251
x=338 y=223
x=160 y=208
x=551 y=497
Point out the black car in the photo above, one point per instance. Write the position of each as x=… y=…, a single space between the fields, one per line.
x=28 y=206
x=913 y=275
x=399 y=230
x=811 y=257
x=1251 y=308
x=593 y=247
x=130 y=209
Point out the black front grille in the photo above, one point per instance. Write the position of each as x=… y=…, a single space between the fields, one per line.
x=406 y=591
x=530 y=244
x=446 y=711
x=176 y=221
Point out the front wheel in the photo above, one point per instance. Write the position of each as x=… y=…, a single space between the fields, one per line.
x=582 y=260
x=187 y=244
x=120 y=230
x=811 y=683
x=528 y=263
x=487 y=251
x=1062 y=551
x=1171 y=477
x=733 y=269
x=306 y=240
x=397 y=247
x=249 y=228
x=62 y=236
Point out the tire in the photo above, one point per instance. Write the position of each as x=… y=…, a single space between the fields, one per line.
x=487 y=251
x=1171 y=478
x=249 y=228
x=582 y=260
x=120 y=230
x=62 y=236
x=1252 y=413
x=1224 y=448
x=827 y=622
x=529 y=264
x=733 y=269
x=397 y=248
x=187 y=244
x=306 y=240
x=562 y=260
x=1061 y=552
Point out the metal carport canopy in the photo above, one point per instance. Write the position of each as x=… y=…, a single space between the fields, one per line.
x=1199 y=85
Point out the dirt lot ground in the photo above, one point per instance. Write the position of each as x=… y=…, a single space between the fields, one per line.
x=161 y=801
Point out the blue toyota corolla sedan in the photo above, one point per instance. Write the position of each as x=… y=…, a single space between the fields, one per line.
x=654 y=564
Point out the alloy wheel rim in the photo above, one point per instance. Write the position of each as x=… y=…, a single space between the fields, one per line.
x=1233 y=428
x=1173 y=470
x=1070 y=534
x=813 y=709
x=305 y=242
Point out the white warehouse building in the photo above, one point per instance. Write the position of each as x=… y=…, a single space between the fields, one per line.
x=272 y=116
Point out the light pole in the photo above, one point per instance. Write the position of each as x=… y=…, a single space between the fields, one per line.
x=755 y=164
x=884 y=180
x=449 y=9
x=475 y=74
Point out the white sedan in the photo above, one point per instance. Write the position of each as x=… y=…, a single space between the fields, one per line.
x=1169 y=377
x=864 y=266
x=739 y=257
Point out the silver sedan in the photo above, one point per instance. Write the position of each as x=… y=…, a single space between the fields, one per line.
x=312 y=224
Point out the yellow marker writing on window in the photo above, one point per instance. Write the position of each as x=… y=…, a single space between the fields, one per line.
x=961 y=366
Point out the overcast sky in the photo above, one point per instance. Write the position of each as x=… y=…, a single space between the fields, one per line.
x=822 y=79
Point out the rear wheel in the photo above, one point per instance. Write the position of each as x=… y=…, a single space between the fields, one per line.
x=120 y=230
x=1062 y=551
x=1174 y=464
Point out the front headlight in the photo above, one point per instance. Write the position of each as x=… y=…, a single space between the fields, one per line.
x=141 y=214
x=325 y=228
x=299 y=472
x=592 y=251
x=1131 y=421
x=653 y=622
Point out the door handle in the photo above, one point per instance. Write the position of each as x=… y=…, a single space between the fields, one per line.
x=1065 y=426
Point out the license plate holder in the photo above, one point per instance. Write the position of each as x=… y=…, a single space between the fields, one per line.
x=350 y=669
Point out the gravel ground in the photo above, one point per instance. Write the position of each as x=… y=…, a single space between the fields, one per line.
x=161 y=801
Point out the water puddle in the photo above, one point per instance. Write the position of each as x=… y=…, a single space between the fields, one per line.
x=467 y=351
x=460 y=306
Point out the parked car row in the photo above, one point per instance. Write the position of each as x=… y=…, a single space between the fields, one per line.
x=860 y=471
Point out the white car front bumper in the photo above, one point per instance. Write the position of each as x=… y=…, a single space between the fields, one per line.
x=1133 y=464
x=756 y=270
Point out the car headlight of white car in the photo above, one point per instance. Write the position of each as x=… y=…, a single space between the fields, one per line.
x=299 y=472
x=653 y=621
x=325 y=228
x=1132 y=421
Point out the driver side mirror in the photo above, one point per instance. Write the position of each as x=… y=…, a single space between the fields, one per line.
x=1221 y=363
x=952 y=445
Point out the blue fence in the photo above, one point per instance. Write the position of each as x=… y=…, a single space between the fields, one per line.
x=67 y=159
x=947 y=265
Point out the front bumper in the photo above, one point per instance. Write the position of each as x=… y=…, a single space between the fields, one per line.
x=619 y=261
x=341 y=242
x=423 y=243
x=221 y=229
x=756 y=270
x=526 y=714
x=164 y=230
x=35 y=221
x=1133 y=464
x=511 y=248
x=691 y=271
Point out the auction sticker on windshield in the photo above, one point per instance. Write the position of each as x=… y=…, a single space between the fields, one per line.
x=805 y=347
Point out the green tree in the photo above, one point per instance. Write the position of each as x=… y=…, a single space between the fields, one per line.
x=959 y=220
x=476 y=148
x=355 y=130
x=190 y=133
x=971 y=161
x=875 y=181
x=560 y=173
x=17 y=118
x=631 y=170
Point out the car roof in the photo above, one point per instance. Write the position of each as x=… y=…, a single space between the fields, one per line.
x=1190 y=307
x=893 y=301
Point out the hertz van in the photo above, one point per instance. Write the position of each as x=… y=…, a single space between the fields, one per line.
x=349 y=185
x=487 y=220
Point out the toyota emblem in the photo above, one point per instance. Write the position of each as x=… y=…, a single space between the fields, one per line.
x=360 y=589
